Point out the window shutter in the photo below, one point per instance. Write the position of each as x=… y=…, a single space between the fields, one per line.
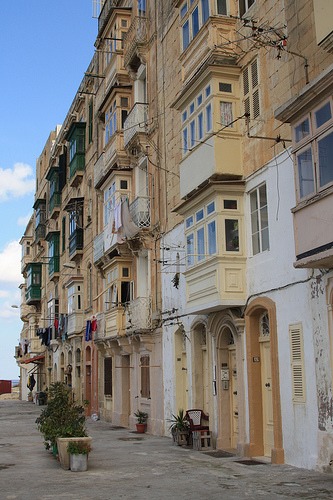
x=246 y=86
x=108 y=376
x=297 y=363
x=254 y=73
x=256 y=104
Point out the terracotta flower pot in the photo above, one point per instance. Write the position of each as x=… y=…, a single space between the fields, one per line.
x=140 y=428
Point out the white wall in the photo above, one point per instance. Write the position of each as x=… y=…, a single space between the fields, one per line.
x=272 y=274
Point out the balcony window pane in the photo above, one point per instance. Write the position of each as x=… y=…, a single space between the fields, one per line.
x=209 y=122
x=190 y=249
x=189 y=221
x=201 y=243
x=265 y=239
x=185 y=141
x=211 y=237
x=255 y=243
x=226 y=113
x=192 y=134
x=195 y=22
x=323 y=115
x=231 y=235
x=211 y=208
x=200 y=126
x=325 y=154
x=186 y=34
x=305 y=173
x=183 y=10
x=204 y=10
x=302 y=130
x=222 y=7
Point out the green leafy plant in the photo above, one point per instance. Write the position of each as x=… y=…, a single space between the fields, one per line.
x=78 y=448
x=141 y=416
x=62 y=417
x=179 y=422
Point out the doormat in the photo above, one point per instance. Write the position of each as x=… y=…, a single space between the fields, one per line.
x=131 y=439
x=219 y=454
x=250 y=462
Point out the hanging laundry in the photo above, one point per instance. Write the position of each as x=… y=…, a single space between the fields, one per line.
x=88 y=330
x=93 y=324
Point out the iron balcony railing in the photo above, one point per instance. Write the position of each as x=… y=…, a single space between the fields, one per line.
x=138 y=314
x=136 y=121
x=140 y=211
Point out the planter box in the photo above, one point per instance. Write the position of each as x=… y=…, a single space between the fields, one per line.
x=78 y=463
x=62 y=444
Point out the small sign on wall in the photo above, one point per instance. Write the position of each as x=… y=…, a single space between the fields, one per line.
x=256 y=359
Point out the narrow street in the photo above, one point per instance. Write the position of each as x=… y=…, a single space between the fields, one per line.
x=126 y=465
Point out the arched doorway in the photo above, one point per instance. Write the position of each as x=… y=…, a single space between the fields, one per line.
x=181 y=370
x=227 y=381
x=265 y=420
x=200 y=377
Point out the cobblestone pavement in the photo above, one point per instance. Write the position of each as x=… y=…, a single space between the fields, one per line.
x=126 y=465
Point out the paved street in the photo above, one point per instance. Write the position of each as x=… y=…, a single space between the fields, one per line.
x=126 y=465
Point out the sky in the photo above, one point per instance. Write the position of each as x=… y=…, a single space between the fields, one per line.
x=45 y=48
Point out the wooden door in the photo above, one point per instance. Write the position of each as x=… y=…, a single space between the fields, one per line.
x=233 y=397
x=267 y=401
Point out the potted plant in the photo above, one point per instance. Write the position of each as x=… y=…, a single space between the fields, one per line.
x=61 y=421
x=141 y=417
x=78 y=455
x=180 y=428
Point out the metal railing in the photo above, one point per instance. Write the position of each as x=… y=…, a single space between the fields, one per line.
x=140 y=211
x=136 y=121
x=138 y=314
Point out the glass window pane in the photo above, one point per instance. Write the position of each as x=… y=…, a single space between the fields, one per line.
x=226 y=113
x=199 y=215
x=200 y=126
x=204 y=10
x=230 y=204
x=263 y=195
x=254 y=222
x=185 y=143
x=222 y=7
x=305 y=173
x=195 y=22
x=201 y=243
x=323 y=115
x=211 y=238
x=184 y=116
x=263 y=217
x=186 y=35
x=190 y=249
x=189 y=221
x=191 y=108
x=302 y=130
x=211 y=207
x=264 y=240
x=231 y=235
x=192 y=134
x=325 y=154
x=183 y=10
x=253 y=201
x=255 y=243
x=209 y=122
x=199 y=100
